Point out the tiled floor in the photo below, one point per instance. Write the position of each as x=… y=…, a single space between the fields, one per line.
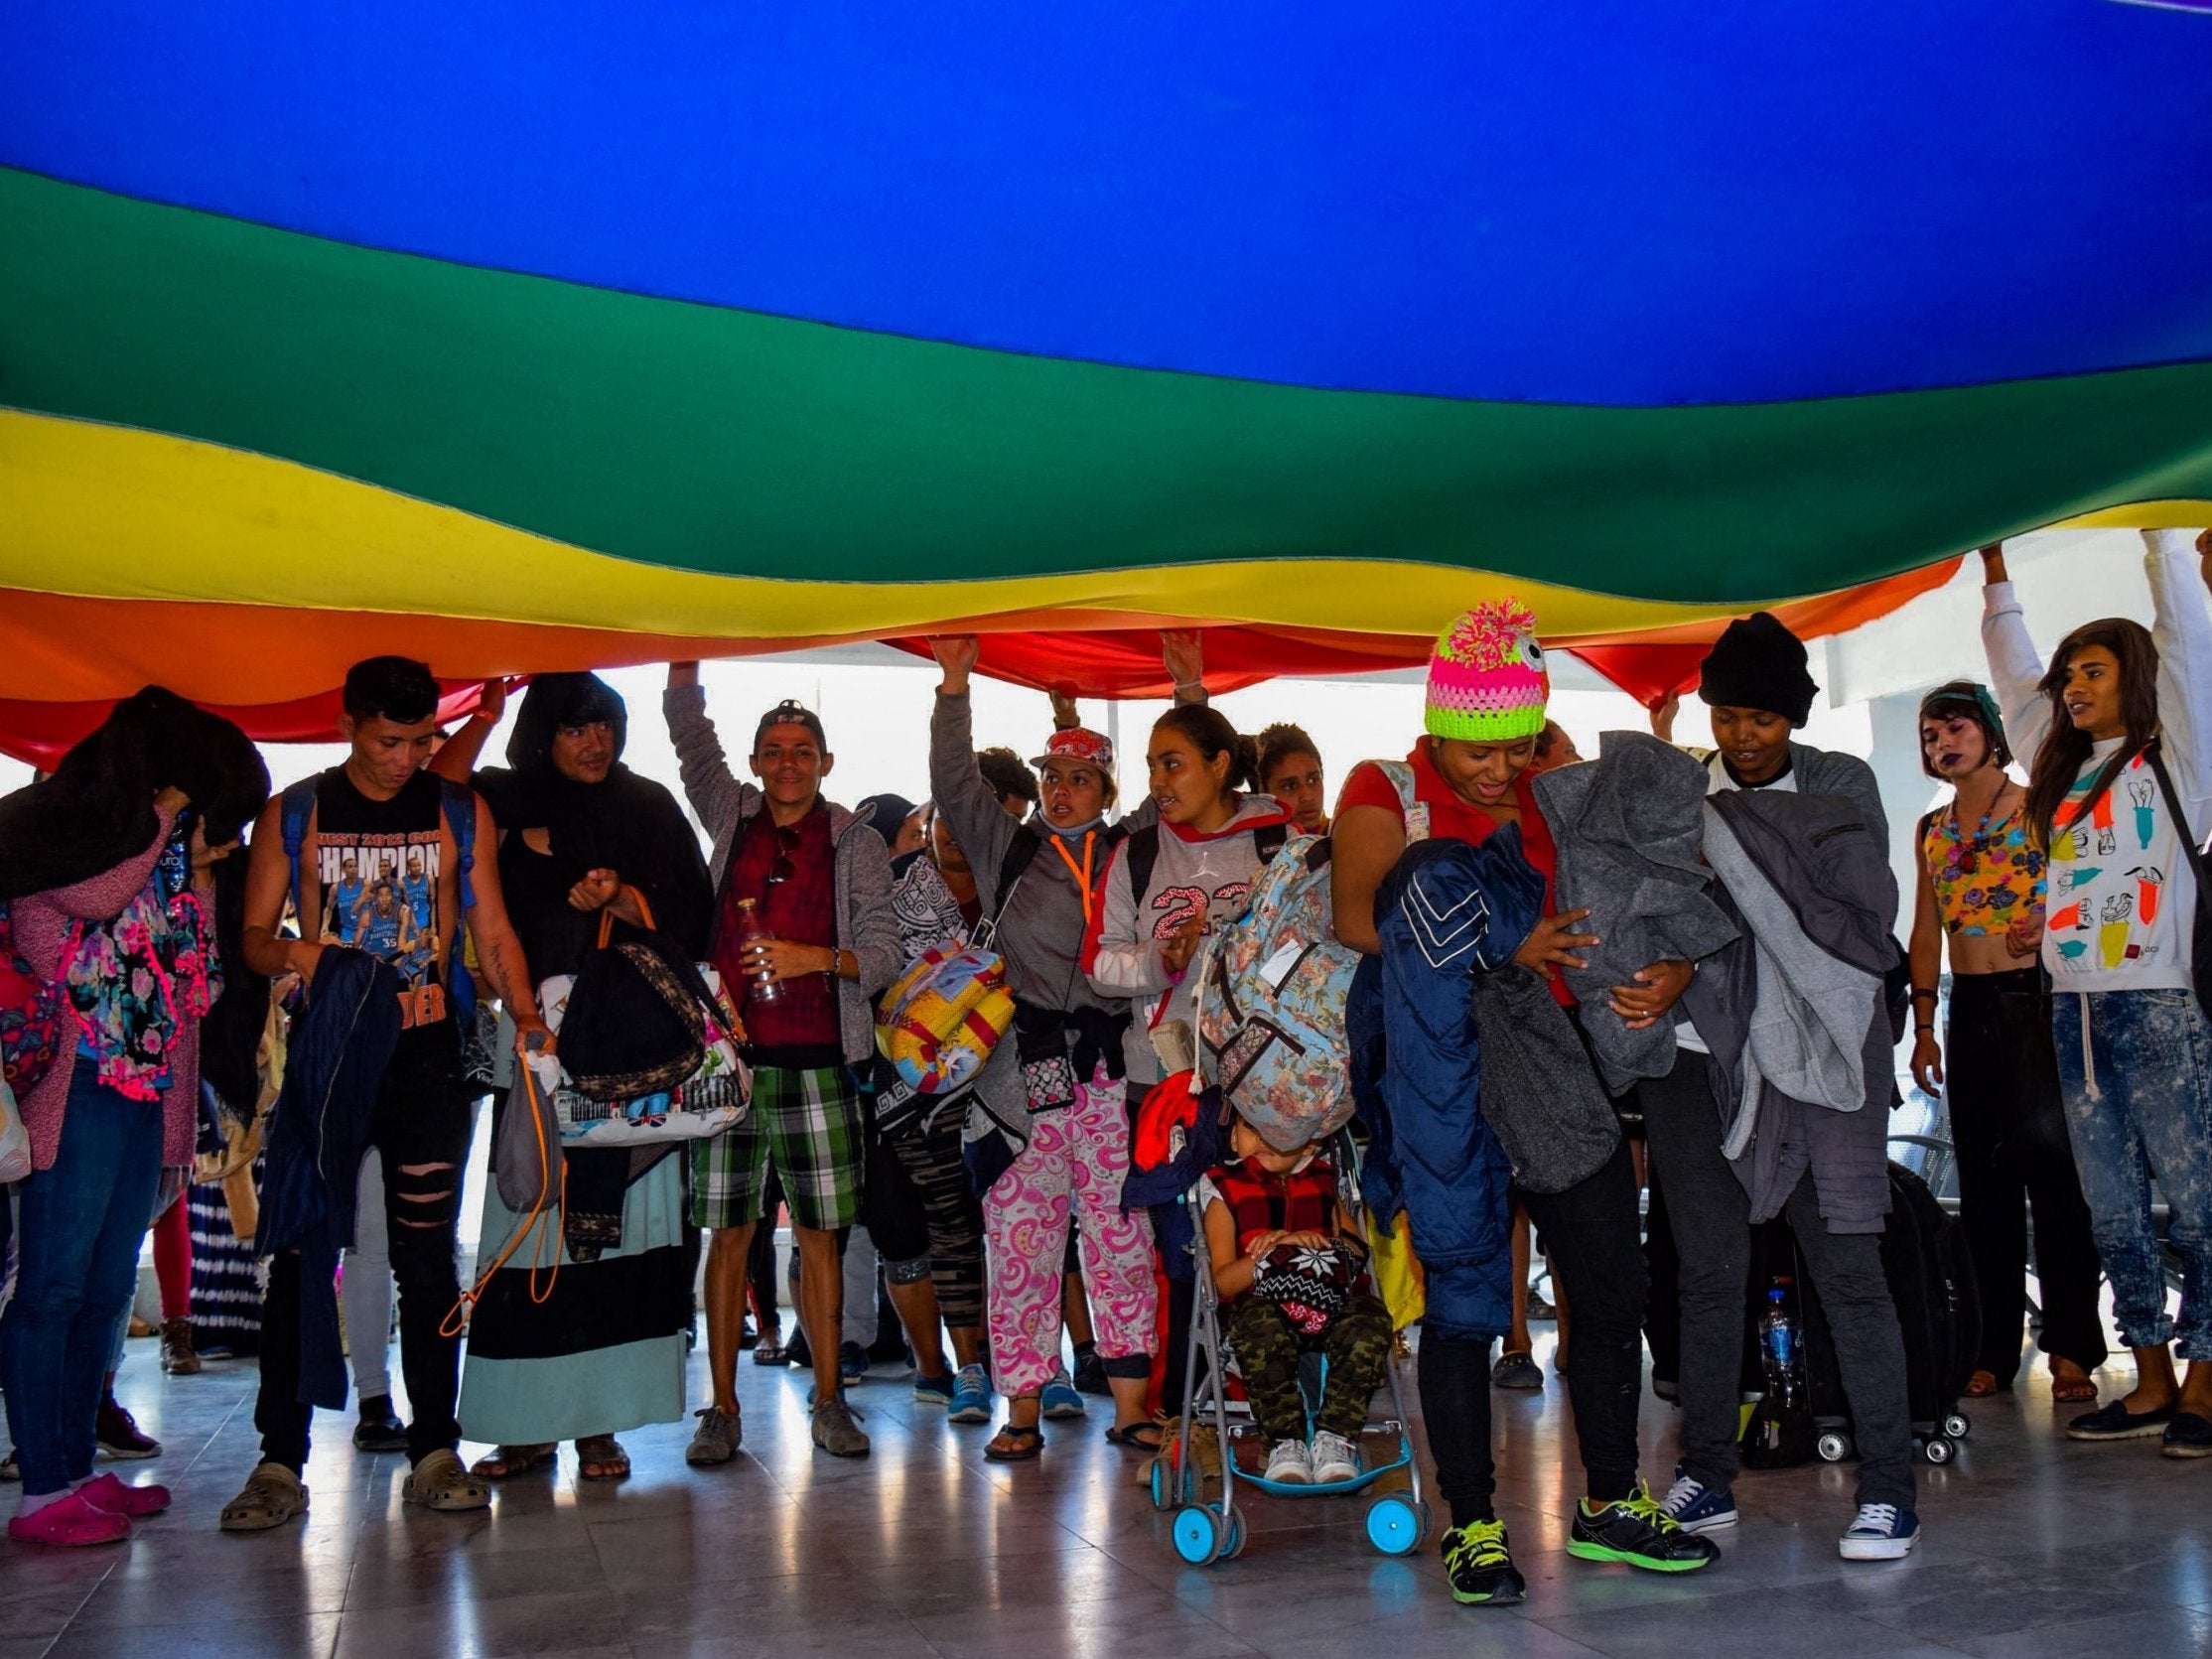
x=2033 y=1546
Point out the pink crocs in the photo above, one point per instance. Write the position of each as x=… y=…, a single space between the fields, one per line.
x=71 y=1521
x=118 y=1498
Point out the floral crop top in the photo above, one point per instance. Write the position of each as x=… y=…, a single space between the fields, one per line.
x=133 y=981
x=1987 y=882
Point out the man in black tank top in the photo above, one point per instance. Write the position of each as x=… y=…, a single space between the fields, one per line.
x=379 y=870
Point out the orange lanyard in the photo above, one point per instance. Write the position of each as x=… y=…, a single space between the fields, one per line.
x=1083 y=874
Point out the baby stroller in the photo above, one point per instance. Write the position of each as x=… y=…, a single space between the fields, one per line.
x=1204 y=1533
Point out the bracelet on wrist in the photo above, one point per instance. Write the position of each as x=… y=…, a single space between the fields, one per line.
x=1929 y=1029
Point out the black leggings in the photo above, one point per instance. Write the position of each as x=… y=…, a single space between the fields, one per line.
x=424 y=1119
x=1591 y=1231
x=2000 y=1078
x=1453 y=1375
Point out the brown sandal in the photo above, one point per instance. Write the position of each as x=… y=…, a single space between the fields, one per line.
x=511 y=1461
x=602 y=1457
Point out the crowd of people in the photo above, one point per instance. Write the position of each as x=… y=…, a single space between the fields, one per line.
x=1576 y=979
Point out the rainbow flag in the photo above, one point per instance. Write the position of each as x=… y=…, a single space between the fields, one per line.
x=519 y=335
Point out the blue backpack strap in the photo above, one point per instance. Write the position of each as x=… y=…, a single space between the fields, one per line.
x=297 y=812
x=460 y=804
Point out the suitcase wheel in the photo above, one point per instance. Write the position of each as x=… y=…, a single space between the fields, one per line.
x=1834 y=1446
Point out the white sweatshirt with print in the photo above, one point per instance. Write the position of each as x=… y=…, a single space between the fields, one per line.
x=2121 y=901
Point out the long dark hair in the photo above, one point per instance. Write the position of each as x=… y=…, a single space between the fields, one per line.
x=96 y=810
x=2065 y=746
x=1208 y=731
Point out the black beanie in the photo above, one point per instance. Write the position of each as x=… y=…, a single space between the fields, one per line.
x=1757 y=663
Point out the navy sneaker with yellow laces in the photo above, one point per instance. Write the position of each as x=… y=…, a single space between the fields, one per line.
x=1636 y=1530
x=1478 y=1563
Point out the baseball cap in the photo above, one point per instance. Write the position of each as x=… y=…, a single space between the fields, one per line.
x=791 y=712
x=1079 y=742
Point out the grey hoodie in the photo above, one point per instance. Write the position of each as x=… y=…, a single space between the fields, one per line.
x=1629 y=827
x=866 y=926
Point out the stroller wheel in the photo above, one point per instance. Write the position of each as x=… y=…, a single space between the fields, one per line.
x=1955 y=1426
x=1394 y=1525
x=1162 y=1497
x=1235 y=1546
x=1199 y=1534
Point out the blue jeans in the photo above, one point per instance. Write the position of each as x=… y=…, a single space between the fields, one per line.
x=80 y=1226
x=2139 y=1107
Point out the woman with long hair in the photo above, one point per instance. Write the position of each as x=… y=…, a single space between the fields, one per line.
x=1199 y=862
x=2121 y=728
x=1980 y=899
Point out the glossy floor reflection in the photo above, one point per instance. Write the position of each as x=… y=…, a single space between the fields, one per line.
x=2033 y=1546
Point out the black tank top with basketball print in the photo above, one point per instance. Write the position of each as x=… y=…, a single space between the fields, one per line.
x=377 y=863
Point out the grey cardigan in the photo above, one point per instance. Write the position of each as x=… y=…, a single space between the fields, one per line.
x=866 y=926
x=1793 y=1009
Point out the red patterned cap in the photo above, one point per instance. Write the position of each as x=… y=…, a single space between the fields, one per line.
x=1079 y=742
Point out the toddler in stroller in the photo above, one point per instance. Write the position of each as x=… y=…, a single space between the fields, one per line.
x=1282 y=1279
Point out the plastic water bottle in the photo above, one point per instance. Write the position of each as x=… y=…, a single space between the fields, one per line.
x=1779 y=1347
x=760 y=989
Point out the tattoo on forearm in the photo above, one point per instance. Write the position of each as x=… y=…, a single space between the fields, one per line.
x=501 y=966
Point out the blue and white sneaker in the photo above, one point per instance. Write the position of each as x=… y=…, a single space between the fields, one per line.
x=1059 y=1396
x=935 y=1391
x=971 y=1395
x=1696 y=1507
x=1882 y=1532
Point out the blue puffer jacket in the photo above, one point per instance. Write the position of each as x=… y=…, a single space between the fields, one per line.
x=1447 y=912
x=318 y=1133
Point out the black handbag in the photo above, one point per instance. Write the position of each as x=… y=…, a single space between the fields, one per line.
x=636 y=1018
x=2200 y=937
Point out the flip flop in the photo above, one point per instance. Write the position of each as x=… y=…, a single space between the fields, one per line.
x=1130 y=1438
x=1027 y=1442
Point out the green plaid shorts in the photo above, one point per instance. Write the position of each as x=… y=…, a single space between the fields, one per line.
x=806 y=1122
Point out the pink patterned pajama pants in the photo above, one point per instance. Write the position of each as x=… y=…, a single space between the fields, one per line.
x=1075 y=1157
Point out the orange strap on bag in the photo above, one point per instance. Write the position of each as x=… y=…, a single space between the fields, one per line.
x=607 y=913
x=457 y=1316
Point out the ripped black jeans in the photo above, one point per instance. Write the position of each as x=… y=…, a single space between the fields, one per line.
x=424 y=1119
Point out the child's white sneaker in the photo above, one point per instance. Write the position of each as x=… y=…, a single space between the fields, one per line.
x=1290 y=1463
x=1335 y=1459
